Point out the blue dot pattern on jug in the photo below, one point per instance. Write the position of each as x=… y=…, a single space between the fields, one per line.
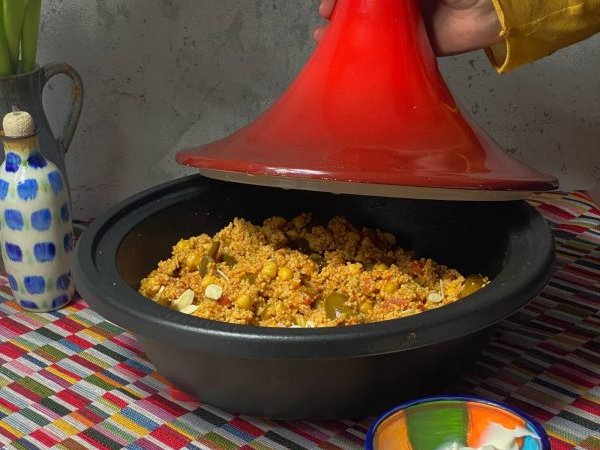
x=41 y=220
x=27 y=189
x=64 y=281
x=13 y=283
x=14 y=252
x=3 y=189
x=35 y=284
x=64 y=212
x=60 y=301
x=37 y=161
x=44 y=251
x=68 y=242
x=28 y=304
x=13 y=161
x=13 y=219
x=56 y=182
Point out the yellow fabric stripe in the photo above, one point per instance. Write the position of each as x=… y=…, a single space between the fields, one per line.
x=533 y=29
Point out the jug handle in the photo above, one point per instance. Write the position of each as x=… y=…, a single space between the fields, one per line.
x=51 y=70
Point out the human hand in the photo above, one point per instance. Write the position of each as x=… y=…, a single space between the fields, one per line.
x=453 y=26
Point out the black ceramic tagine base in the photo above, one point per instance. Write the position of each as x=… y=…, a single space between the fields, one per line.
x=312 y=373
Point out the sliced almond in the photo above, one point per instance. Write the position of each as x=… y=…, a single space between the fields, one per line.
x=184 y=300
x=190 y=309
x=434 y=297
x=213 y=291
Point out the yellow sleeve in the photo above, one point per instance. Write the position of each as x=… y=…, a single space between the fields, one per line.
x=533 y=29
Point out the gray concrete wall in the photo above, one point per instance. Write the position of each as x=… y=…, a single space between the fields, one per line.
x=165 y=74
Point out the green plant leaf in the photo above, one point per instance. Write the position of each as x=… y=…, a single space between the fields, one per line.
x=5 y=63
x=29 y=40
x=13 y=14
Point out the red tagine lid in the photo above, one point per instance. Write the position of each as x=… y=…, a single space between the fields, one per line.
x=370 y=114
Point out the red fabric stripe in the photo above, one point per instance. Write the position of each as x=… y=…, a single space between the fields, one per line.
x=555 y=211
x=114 y=399
x=25 y=392
x=68 y=324
x=11 y=350
x=548 y=320
x=8 y=434
x=170 y=437
x=65 y=372
x=586 y=405
x=572 y=228
x=582 y=370
x=13 y=326
x=55 y=378
x=96 y=444
x=9 y=405
x=165 y=404
x=73 y=399
x=246 y=426
x=302 y=433
x=553 y=348
x=85 y=363
x=570 y=377
x=557 y=444
x=593 y=276
x=44 y=437
x=131 y=369
x=91 y=415
x=79 y=341
x=122 y=343
x=535 y=411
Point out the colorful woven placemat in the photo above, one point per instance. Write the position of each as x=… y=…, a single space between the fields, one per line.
x=72 y=380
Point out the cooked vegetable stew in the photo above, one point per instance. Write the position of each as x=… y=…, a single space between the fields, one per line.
x=299 y=273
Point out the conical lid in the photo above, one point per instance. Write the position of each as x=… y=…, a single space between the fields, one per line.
x=370 y=114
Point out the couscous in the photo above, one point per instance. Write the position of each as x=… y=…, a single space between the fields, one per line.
x=296 y=273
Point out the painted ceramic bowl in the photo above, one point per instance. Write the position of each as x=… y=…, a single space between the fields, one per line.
x=455 y=423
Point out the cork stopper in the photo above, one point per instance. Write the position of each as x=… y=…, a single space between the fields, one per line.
x=18 y=124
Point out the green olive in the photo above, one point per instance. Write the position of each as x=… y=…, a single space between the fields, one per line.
x=214 y=249
x=318 y=260
x=203 y=265
x=229 y=260
x=472 y=284
x=249 y=278
x=299 y=243
x=335 y=304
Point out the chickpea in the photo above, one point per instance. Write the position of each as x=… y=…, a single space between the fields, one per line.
x=285 y=274
x=389 y=288
x=244 y=302
x=270 y=269
x=192 y=260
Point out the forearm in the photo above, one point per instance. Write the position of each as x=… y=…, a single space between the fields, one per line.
x=532 y=29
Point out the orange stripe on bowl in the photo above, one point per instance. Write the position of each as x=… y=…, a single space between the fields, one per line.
x=481 y=416
x=392 y=434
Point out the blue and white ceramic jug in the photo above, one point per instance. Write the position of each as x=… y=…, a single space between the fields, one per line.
x=35 y=218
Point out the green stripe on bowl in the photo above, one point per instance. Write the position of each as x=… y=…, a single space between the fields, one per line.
x=434 y=426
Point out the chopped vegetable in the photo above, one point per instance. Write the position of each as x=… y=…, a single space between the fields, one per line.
x=203 y=265
x=472 y=284
x=335 y=305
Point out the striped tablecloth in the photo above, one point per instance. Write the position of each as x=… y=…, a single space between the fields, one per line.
x=72 y=380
